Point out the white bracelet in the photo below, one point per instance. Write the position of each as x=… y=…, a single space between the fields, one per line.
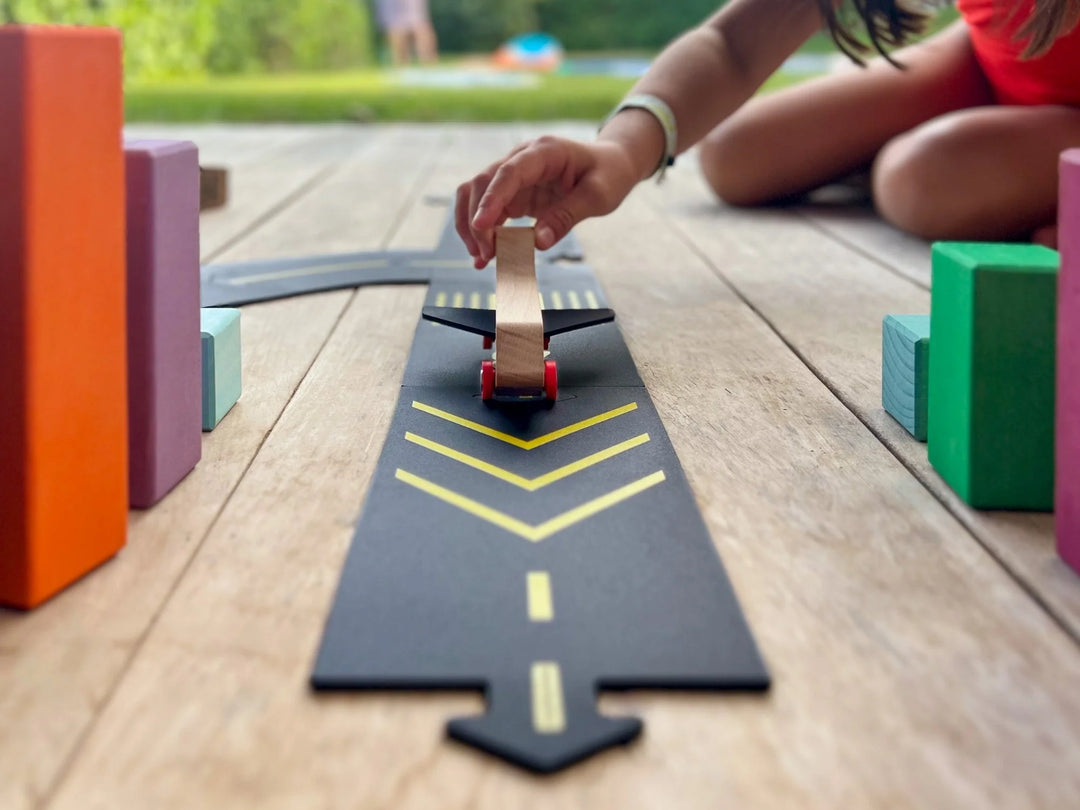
x=664 y=116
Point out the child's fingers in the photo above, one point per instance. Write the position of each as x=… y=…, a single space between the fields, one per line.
x=544 y=160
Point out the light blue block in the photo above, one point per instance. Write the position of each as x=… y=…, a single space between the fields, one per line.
x=905 y=364
x=220 y=364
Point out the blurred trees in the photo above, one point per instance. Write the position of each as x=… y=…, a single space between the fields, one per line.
x=165 y=38
x=584 y=25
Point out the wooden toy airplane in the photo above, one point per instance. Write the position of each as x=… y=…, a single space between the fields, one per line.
x=517 y=327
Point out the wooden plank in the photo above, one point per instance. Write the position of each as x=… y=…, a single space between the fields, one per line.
x=896 y=643
x=519 y=325
x=59 y=665
x=826 y=301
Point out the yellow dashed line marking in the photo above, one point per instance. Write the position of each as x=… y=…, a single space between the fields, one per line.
x=556 y=300
x=296 y=272
x=575 y=300
x=524 y=444
x=459 y=299
x=538 y=587
x=440 y=299
x=590 y=299
x=519 y=527
x=548 y=713
x=491 y=300
x=542 y=304
x=474 y=300
x=529 y=484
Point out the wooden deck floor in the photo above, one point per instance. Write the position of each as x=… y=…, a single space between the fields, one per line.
x=924 y=655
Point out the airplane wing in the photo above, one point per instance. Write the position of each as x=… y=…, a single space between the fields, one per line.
x=482 y=321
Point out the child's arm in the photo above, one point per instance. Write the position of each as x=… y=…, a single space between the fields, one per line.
x=703 y=76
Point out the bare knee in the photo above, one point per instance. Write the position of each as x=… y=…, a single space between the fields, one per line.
x=917 y=186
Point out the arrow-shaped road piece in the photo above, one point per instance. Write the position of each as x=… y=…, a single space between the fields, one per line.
x=543 y=719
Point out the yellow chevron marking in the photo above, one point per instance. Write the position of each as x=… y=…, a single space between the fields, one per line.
x=538 y=587
x=440 y=299
x=296 y=272
x=548 y=714
x=556 y=300
x=491 y=300
x=474 y=300
x=590 y=299
x=528 y=484
x=575 y=300
x=459 y=299
x=530 y=444
x=519 y=527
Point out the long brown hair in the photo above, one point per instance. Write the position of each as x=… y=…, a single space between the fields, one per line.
x=890 y=23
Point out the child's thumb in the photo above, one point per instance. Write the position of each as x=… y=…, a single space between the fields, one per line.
x=556 y=222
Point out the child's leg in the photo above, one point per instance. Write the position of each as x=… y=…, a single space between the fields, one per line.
x=797 y=139
x=989 y=173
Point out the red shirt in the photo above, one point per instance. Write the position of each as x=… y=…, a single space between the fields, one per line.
x=1053 y=78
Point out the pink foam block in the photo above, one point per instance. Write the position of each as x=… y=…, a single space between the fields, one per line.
x=164 y=338
x=1067 y=450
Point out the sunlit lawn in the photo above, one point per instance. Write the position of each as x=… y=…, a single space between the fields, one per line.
x=375 y=95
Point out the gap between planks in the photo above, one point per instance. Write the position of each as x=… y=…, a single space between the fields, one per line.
x=1045 y=603
x=320 y=179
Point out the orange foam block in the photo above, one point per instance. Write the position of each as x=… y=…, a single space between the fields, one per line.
x=63 y=368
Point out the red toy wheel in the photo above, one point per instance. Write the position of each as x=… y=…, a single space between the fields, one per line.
x=487 y=380
x=551 y=380
x=488 y=342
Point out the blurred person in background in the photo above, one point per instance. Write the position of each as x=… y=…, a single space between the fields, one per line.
x=408 y=29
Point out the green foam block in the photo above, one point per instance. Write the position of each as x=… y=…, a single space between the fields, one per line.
x=905 y=369
x=991 y=398
x=220 y=364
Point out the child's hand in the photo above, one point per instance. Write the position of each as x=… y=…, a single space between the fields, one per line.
x=558 y=181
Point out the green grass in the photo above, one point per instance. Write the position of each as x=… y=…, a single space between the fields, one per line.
x=372 y=95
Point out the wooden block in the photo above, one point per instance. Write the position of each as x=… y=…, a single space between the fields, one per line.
x=1067 y=497
x=991 y=398
x=164 y=353
x=220 y=364
x=213 y=187
x=63 y=342
x=905 y=368
x=519 y=323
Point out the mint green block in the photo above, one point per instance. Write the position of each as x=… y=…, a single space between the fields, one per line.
x=905 y=370
x=991 y=402
x=220 y=364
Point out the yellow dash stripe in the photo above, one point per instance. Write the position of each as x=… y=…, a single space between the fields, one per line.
x=474 y=300
x=590 y=299
x=556 y=300
x=538 y=586
x=491 y=300
x=296 y=272
x=519 y=527
x=440 y=299
x=575 y=300
x=542 y=304
x=530 y=444
x=459 y=299
x=548 y=714
x=529 y=484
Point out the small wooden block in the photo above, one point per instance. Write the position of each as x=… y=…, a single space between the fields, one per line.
x=63 y=333
x=991 y=398
x=519 y=322
x=213 y=187
x=221 y=383
x=164 y=356
x=1067 y=498
x=905 y=369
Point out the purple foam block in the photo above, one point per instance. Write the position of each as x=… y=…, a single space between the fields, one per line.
x=164 y=339
x=1067 y=437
